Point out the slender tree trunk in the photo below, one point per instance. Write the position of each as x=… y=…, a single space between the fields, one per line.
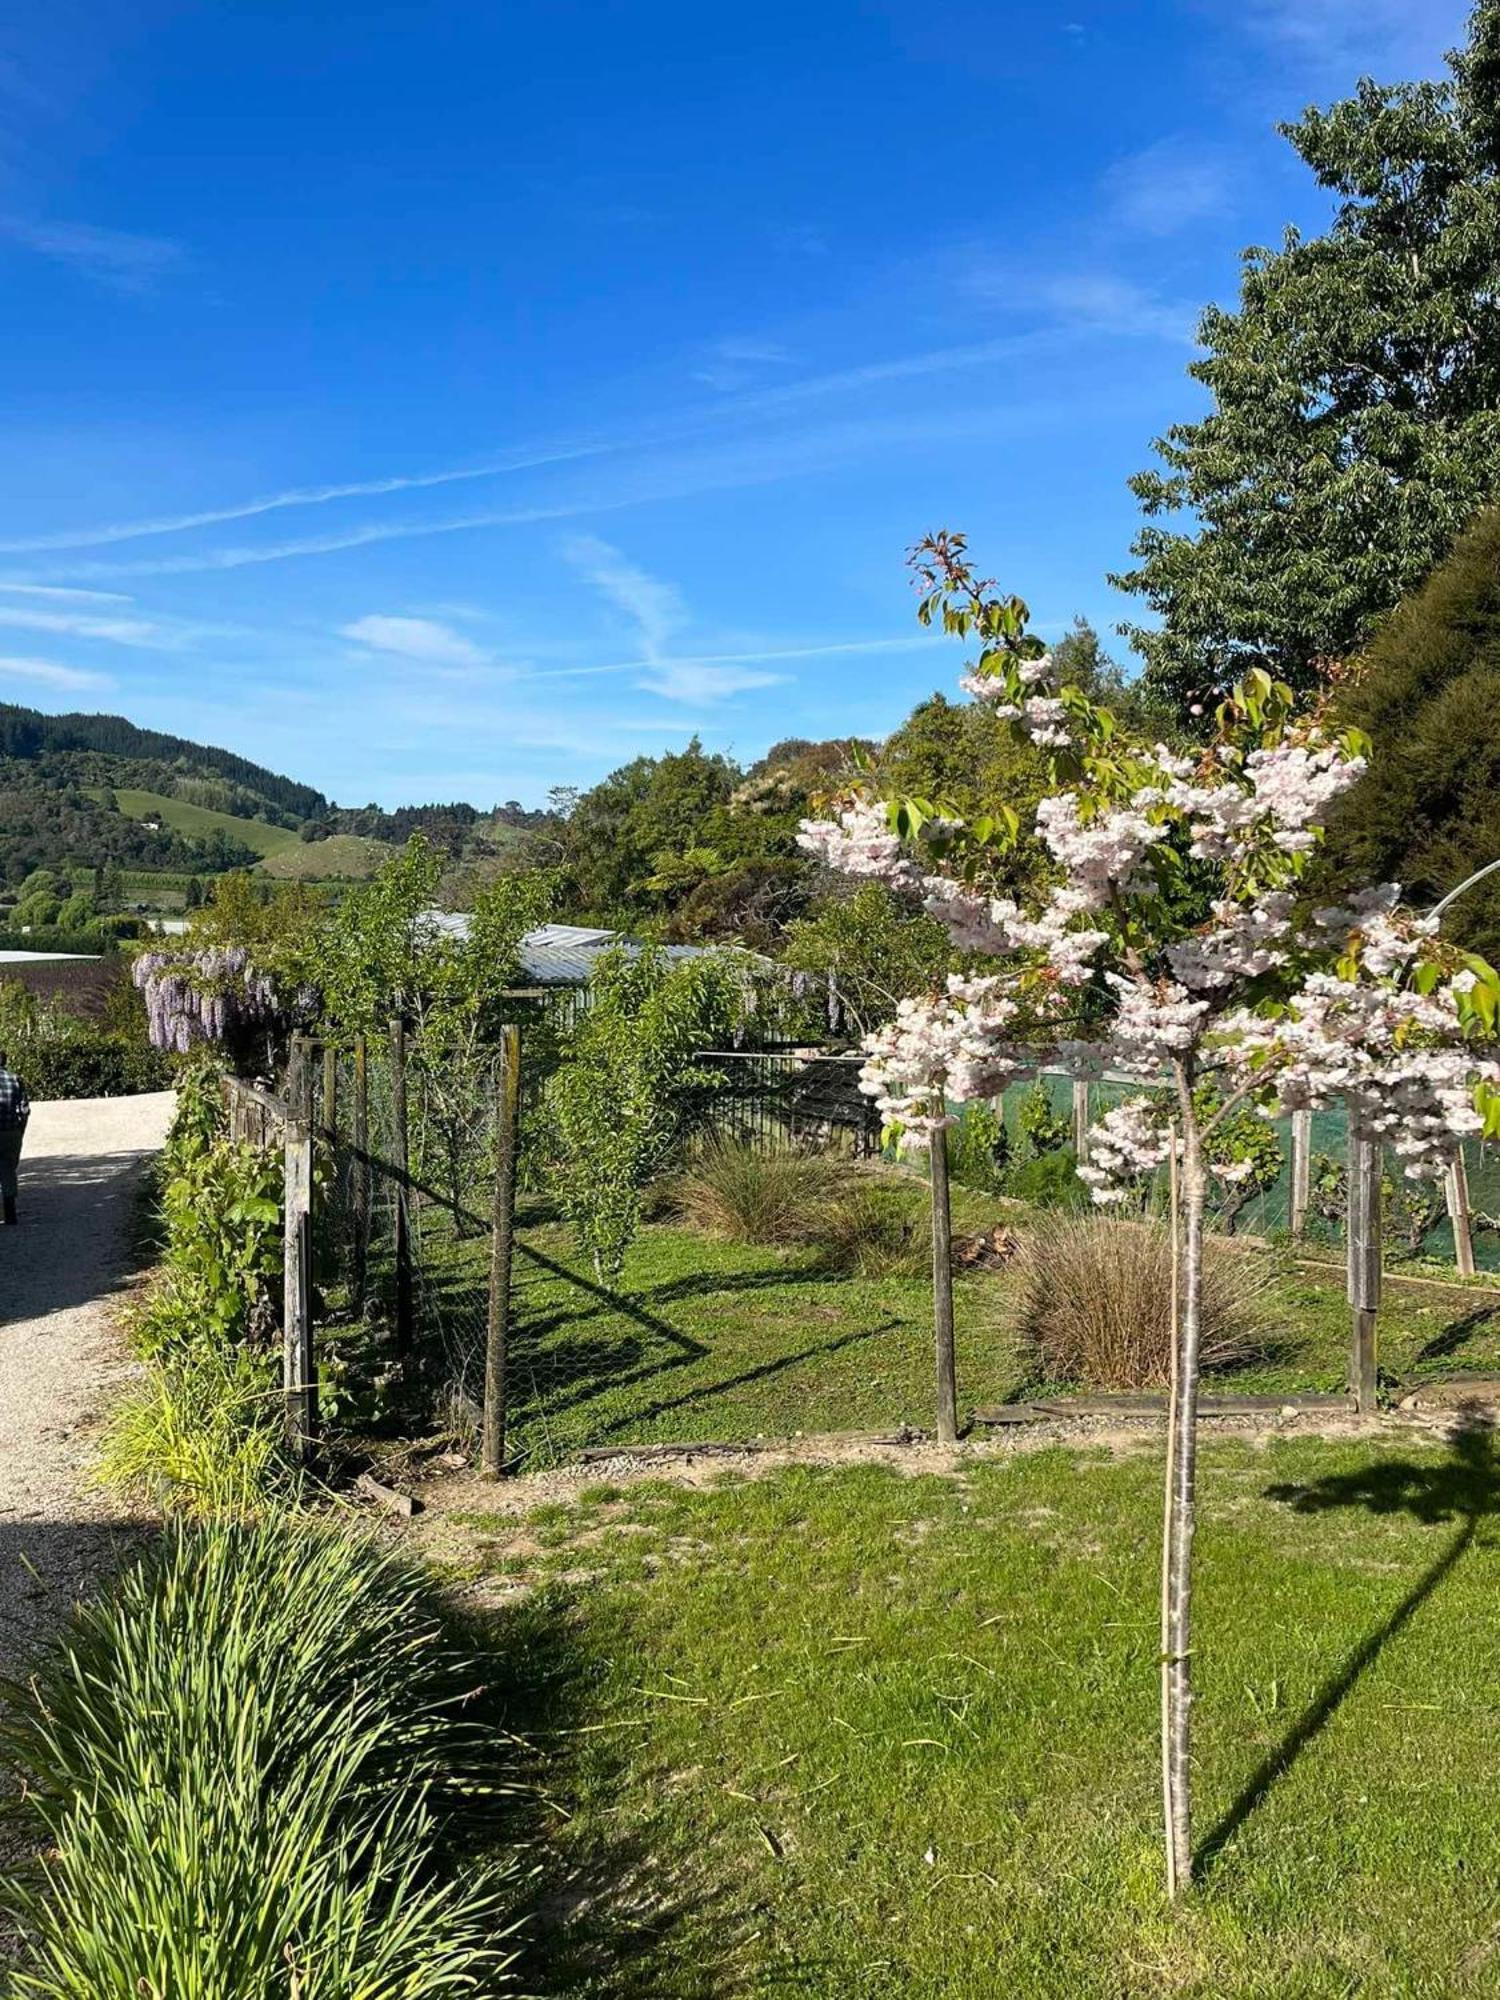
x=1177 y=1555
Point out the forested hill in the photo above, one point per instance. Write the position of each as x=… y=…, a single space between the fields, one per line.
x=28 y=736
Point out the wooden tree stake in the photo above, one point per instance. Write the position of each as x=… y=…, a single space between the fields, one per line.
x=502 y=1233
x=1364 y=1165
x=1301 y=1169
x=1081 y=1123
x=1458 y=1215
x=942 y=1288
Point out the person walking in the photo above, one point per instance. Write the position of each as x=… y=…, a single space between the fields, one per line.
x=15 y=1109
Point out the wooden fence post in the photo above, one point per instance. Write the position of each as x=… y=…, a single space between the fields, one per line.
x=1364 y=1165
x=359 y=1189
x=1081 y=1122
x=401 y=1149
x=1301 y=1170
x=1458 y=1215
x=330 y=1093
x=298 y=1370
x=502 y=1230
x=942 y=1288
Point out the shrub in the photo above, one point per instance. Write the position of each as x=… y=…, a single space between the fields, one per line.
x=62 y=1055
x=1048 y=1181
x=979 y=1149
x=747 y=1195
x=247 y=1764
x=876 y=1229
x=1095 y=1304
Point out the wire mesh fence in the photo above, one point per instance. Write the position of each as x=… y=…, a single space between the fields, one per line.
x=406 y=1283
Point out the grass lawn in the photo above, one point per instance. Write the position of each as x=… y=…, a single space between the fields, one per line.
x=852 y=1733
x=199 y=822
x=705 y=1340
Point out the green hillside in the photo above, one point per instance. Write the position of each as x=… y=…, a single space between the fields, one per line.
x=344 y=857
x=199 y=822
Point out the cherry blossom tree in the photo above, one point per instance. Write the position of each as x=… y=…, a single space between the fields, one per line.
x=1172 y=944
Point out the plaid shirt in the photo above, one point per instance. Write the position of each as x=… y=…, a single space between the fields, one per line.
x=15 y=1106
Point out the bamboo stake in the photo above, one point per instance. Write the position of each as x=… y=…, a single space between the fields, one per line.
x=497 y=1342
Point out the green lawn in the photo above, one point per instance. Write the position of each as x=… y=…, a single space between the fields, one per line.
x=851 y=1733
x=705 y=1340
x=198 y=822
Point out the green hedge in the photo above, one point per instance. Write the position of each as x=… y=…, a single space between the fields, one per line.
x=82 y=1060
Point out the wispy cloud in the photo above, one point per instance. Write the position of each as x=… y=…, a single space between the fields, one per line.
x=1106 y=304
x=657 y=609
x=678 y=428
x=427 y=641
x=67 y=594
x=50 y=672
x=1341 y=38
x=85 y=625
x=1167 y=186
x=696 y=680
x=658 y=612
x=114 y=257
x=731 y=364
x=301 y=496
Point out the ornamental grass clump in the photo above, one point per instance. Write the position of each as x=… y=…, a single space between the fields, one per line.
x=253 y=1767
x=748 y=1194
x=1096 y=1304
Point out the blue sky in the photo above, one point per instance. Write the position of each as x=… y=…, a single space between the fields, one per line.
x=454 y=400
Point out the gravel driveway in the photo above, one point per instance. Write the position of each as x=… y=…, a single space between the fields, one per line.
x=60 y=1357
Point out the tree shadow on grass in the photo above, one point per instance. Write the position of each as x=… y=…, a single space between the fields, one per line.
x=1464 y=1488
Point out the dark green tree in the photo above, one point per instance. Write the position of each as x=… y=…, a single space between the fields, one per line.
x=1354 y=425
x=1427 y=813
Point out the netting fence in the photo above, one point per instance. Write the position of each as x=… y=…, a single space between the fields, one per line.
x=409 y=1276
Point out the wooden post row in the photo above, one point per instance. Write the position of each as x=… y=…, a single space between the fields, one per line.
x=1364 y=1164
x=402 y=1161
x=502 y=1236
x=359 y=1189
x=942 y=1288
x=299 y=1376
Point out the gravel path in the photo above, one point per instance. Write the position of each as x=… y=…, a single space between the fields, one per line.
x=60 y=1356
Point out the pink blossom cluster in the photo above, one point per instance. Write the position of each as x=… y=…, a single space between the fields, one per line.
x=950 y=1045
x=1101 y=855
x=202 y=996
x=1155 y=1021
x=1246 y=940
x=1131 y=1139
x=1394 y=1055
x=978 y=922
x=859 y=842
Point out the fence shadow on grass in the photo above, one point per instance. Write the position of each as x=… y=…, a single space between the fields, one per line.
x=1463 y=1488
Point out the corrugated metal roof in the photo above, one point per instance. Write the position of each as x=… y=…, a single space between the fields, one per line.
x=565 y=954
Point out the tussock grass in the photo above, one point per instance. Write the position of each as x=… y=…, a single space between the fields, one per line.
x=1095 y=1303
x=746 y=1194
x=252 y=1764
